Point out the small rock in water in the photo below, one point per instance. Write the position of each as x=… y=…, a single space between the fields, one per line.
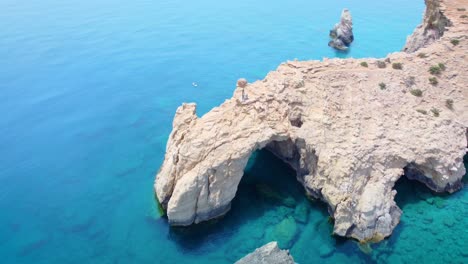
x=284 y=232
x=365 y=248
x=268 y=254
x=430 y=200
x=449 y=222
x=439 y=202
x=268 y=192
x=342 y=33
x=289 y=201
x=428 y=219
x=424 y=194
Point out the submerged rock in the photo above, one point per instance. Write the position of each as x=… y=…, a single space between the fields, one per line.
x=365 y=248
x=342 y=33
x=289 y=201
x=326 y=250
x=440 y=203
x=268 y=254
x=268 y=192
x=424 y=194
x=449 y=221
x=347 y=140
x=240 y=247
x=301 y=213
x=284 y=232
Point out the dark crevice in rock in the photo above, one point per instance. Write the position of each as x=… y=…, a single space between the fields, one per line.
x=350 y=230
x=296 y=122
x=295 y=117
x=315 y=194
x=290 y=152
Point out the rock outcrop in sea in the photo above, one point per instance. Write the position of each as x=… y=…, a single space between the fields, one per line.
x=342 y=34
x=349 y=131
x=268 y=254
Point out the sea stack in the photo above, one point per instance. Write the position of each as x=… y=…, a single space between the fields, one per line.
x=342 y=34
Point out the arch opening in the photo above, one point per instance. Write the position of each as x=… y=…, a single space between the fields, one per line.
x=270 y=205
x=413 y=187
x=412 y=191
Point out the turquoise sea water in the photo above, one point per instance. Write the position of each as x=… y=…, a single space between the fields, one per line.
x=88 y=90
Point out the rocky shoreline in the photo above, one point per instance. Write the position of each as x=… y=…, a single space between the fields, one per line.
x=349 y=127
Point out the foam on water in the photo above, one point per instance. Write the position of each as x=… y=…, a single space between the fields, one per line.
x=88 y=93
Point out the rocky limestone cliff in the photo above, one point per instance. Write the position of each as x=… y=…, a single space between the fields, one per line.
x=350 y=132
x=432 y=28
x=268 y=254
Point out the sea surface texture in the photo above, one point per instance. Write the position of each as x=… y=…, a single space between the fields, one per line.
x=88 y=90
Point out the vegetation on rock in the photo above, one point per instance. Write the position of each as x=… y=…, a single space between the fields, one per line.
x=381 y=64
x=397 y=65
x=435 y=70
x=441 y=66
x=422 y=55
x=424 y=112
x=416 y=92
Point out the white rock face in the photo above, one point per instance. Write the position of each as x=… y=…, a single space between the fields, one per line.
x=348 y=139
x=268 y=254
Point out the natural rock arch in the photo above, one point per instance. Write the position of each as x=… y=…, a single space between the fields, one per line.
x=348 y=140
x=211 y=174
x=205 y=161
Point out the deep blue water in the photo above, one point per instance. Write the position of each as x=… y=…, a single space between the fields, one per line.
x=88 y=90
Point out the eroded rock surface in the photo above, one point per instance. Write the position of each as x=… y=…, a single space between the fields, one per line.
x=348 y=138
x=434 y=25
x=342 y=33
x=268 y=254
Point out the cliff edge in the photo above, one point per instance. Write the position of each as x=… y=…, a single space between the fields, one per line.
x=349 y=131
